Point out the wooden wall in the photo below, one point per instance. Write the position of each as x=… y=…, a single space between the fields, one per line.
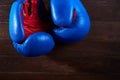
x=97 y=57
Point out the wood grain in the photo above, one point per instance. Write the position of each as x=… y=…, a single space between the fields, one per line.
x=97 y=57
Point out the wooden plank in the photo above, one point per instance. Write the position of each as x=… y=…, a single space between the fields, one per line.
x=103 y=10
x=4 y=13
x=105 y=31
x=83 y=56
x=6 y=2
x=55 y=76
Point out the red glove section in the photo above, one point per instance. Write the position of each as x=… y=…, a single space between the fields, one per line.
x=74 y=15
x=32 y=22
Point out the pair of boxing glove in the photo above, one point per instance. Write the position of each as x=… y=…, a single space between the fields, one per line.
x=29 y=26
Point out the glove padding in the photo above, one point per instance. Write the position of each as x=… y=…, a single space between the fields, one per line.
x=27 y=30
x=71 y=20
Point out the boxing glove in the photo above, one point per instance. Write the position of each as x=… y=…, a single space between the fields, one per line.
x=71 y=20
x=28 y=30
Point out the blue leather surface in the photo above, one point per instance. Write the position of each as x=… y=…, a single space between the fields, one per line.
x=62 y=14
x=36 y=44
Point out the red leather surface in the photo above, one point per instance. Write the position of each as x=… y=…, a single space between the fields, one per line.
x=32 y=22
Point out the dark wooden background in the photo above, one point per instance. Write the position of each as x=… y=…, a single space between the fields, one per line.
x=97 y=57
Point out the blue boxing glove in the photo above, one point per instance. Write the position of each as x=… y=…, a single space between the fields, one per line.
x=27 y=29
x=71 y=20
